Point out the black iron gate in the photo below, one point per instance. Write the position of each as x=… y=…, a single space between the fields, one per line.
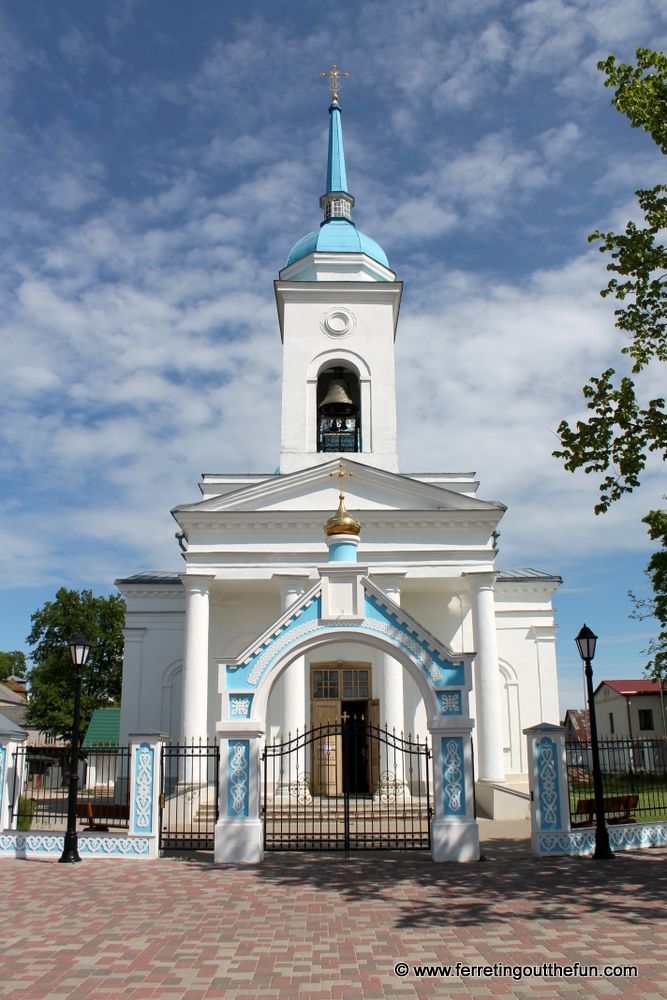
x=189 y=800
x=346 y=786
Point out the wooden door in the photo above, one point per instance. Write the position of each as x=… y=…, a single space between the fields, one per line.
x=327 y=759
x=374 y=718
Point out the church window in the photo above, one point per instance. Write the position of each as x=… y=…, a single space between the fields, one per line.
x=325 y=684
x=355 y=684
x=338 y=411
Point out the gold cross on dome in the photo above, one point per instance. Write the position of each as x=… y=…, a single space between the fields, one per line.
x=334 y=75
x=341 y=475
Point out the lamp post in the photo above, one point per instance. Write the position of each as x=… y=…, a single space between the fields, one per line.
x=79 y=648
x=586 y=645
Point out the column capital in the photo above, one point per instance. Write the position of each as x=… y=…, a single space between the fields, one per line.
x=389 y=582
x=197 y=581
x=484 y=580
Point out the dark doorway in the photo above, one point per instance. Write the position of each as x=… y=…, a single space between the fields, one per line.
x=355 y=754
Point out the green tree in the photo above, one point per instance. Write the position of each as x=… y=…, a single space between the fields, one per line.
x=12 y=664
x=656 y=606
x=620 y=432
x=51 y=680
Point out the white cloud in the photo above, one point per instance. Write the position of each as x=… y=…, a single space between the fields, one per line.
x=140 y=345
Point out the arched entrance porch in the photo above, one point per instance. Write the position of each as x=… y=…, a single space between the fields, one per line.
x=374 y=621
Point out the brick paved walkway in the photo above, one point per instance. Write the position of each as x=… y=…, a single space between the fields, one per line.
x=307 y=928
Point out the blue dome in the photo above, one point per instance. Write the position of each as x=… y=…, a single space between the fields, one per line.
x=338 y=236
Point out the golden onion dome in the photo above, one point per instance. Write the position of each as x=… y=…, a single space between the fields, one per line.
x=342 y=522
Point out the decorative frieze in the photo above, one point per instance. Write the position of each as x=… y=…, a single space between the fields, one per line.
x=238 y=777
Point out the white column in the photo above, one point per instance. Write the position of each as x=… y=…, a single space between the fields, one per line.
x=294 y=677
x=488 y=712
x=392 y=707
x=194 y=721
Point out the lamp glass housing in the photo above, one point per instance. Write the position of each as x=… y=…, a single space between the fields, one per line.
x=586 y=641
x=79 y=648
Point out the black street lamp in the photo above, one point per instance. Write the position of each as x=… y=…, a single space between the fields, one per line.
x=79 y=648
x=586 y=645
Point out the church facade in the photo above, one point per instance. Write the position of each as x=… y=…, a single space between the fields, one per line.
x=420 y=565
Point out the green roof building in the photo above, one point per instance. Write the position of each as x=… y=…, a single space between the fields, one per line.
x=103 y=729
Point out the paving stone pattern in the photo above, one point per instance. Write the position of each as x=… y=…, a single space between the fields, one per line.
x=311 y=928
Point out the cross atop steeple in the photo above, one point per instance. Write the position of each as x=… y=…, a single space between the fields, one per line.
x=334 y=75
x=341 y=475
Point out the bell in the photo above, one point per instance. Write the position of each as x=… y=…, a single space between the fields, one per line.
x=336 y=394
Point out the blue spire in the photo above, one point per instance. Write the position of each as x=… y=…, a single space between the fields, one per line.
x=336 y=175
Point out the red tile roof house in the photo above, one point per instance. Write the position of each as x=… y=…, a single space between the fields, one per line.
x=633 y=708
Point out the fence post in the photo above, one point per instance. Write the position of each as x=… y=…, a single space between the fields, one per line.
x=454 y=829
x=9 y=753
x=239 y=832
x=145 y=788
x=547 y=776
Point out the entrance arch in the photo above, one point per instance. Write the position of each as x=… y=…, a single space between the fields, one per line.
x=345 y=606
x=334 y=635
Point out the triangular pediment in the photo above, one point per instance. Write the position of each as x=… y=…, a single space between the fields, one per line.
x=316 y=489
x=381 y=616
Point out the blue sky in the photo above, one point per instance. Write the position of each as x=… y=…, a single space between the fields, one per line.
x=158 y=162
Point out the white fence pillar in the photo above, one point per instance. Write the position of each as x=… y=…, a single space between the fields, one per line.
x=145 y=788
x=239 y=832
x=454 y=830
x=547 y=775
x=11 y=756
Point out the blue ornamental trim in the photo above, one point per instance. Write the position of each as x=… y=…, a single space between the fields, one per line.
x=305 y=620
x=441 y=672
x=636 y=836
x=453 y=775
x=547 y=775
x=240 y=705
x=451 y=702
x=21 y=845
x=142 y=817
x=238 y=777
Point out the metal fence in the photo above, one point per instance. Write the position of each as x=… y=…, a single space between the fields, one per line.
x=41 y=788
x=634 y=780
x=346 y=785
x=189 y=799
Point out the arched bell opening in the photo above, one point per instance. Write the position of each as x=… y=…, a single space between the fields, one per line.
x=338 y=411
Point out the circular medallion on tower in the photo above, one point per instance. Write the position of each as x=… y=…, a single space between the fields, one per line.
x=338 y=322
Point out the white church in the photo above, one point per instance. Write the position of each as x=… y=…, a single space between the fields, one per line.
x=397 y=609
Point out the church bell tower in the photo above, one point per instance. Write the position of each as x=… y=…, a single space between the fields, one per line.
x=338 y=304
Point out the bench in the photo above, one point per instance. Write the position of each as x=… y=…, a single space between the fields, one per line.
x=104 y=811
x=617 y=809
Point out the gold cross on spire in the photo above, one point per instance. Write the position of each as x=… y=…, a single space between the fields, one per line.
x=341 y=475
x=334 y=75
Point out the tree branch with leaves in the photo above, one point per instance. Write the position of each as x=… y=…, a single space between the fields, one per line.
x=619 y=434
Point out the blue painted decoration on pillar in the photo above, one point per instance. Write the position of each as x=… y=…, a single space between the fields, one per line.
x=239 y=705
x=143 y=789
x=453 y=776
x=451 y=702
x=238 y=776
x=549 y=786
